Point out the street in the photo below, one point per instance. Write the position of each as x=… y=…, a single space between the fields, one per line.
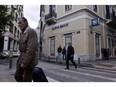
x=57 y=73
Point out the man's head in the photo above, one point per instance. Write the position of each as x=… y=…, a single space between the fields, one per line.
x=23 y=23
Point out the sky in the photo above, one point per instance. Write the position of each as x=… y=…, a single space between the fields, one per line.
x=31 y=12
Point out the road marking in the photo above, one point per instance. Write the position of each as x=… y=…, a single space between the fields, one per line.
x=69 y=76
x=88 y=74
x=51 y=79
x=107 y=72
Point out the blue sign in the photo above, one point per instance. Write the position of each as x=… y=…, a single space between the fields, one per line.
x=95 y=22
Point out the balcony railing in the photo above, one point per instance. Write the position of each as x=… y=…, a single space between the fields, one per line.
x=50 y=18
x=111 y=20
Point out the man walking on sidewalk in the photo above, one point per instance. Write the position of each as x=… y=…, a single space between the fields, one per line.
x=70 y=56
x=28 y=58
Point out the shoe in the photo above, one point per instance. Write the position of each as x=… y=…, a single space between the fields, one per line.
x=67 y=68
x=75 y=67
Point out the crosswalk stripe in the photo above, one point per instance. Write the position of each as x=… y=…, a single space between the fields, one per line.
x=51 y=79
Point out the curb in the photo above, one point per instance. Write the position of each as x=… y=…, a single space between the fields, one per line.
x=97 y=66
x=104 y=67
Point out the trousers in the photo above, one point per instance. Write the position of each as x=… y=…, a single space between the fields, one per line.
x=23 y=75
x=72 y=60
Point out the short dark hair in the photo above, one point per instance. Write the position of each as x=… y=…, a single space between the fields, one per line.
x=24 y=19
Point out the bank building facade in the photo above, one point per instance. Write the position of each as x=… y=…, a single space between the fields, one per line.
x=89 y=28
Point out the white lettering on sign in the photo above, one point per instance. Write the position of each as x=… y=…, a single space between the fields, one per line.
x=60 y=26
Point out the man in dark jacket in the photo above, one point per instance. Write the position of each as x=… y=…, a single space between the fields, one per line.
x=59 y=50
x=70 y=56
x=28 y=58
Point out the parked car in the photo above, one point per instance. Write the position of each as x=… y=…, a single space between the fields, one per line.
x=16 y=53
x=4 y=54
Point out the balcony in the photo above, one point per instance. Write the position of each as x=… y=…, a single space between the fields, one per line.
x=112 y=21
x=50 y=18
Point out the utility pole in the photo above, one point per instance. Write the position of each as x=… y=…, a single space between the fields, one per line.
x=42 y=28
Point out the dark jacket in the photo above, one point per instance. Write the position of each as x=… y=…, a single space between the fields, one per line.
x=64 y=51
x=59 y=50
x=28 y=45
x=70 y=52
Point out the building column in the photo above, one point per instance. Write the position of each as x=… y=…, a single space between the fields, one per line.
x=6 y=40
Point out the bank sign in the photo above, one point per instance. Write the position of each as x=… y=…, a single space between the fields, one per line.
x=95 y=22
x=60 y=26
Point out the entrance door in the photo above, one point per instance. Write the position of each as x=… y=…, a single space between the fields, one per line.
x=52 y=46
x=68 y=39
x=97 y=45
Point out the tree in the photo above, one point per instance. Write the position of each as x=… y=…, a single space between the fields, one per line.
x=5 y=17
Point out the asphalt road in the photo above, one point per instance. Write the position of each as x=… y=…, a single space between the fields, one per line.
x=57 y=73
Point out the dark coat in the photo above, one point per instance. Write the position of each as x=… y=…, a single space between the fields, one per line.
x=64 y=51
x=28 y=46
x=70 y=52
x=59 y=50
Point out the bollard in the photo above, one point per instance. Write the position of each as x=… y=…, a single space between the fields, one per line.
x=79 y=60
x=10 y=63
x=10 y=58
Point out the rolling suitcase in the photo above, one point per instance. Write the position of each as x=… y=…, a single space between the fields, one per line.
x=39 y=75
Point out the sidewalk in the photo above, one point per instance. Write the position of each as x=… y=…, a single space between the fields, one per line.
x=6 y=74
x=99 y=64
x=104 y=64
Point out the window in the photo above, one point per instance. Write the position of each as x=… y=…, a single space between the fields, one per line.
x=68 y=7
x=95 y=8
x=52 y=46
x=11 y=27
x=68 y=39
x=9 y=43
x=107 y=12
x=18 y=34
x=113 y=14
x=15 y=30
x=109 y=43
x=112 y=42
x=52 y=9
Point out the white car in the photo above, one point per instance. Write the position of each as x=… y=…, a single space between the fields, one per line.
x=16 y=53
x=4 y=54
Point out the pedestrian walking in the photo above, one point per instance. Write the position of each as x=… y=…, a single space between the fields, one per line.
x=70 y=56
x=59 y=54
x=28 y=47
x=64 y=53
x=105 y=53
